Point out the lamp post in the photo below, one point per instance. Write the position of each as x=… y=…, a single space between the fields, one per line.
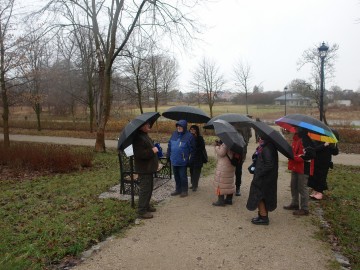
x=285 y=89
x=322 y=54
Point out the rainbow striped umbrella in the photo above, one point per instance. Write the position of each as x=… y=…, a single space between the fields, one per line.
x=317 y=130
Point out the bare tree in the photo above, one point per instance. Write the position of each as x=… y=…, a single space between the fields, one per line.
x=242 y=74
x=311 y=56
x=209 y=80
x=112 y=23
x=10 y=58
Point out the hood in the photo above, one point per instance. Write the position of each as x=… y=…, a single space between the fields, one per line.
x=182 y=123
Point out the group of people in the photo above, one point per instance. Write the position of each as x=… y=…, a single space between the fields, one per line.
x=186 y=149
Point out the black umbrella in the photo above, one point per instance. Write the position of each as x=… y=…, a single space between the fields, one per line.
x=232 y=118
x=275 y=137
x=125 y=138
x=188 y=113
x=229 y=136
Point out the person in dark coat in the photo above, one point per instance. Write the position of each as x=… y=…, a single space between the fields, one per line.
x=322 y=163
x=198 y=158
x=263 y=189
x=146 y=163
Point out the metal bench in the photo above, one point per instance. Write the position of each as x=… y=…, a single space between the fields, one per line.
x=129 y=178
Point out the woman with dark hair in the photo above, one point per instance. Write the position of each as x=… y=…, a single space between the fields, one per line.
x=198 y=159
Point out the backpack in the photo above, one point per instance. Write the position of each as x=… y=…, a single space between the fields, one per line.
x=235 y=160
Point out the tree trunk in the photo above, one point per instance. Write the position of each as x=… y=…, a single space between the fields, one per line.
x=5 y=116
x=38 y=112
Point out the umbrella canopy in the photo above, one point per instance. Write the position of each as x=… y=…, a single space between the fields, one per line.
x=232 y=118
x=125 y=138
x=229 y=136
x=275 y=137
x=188 y=113
x=317 y=129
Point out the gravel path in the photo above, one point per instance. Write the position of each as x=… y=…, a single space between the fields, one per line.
x=190 y=233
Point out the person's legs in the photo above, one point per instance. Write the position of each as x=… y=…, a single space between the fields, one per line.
x=262 y=218
x=145 y=191
x=228 y=199
x=192 y=176
x=183 y=180
x=294 y=205
x=176 y=171
x=195 y=176
x=304 y=191
x=238 y=174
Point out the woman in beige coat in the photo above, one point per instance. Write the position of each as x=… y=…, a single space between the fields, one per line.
x=224 y=175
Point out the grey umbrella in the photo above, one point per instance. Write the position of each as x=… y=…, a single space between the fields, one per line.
x=232 y=118
x=229 y=136
x=125 y=138
x=188 y=113
x=275 y=137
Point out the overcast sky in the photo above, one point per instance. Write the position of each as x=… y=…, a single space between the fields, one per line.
x=271 y=37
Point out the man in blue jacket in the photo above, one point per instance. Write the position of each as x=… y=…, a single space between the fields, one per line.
x=180 y=151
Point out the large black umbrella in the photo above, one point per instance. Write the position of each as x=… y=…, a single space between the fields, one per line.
x=125 y=138
x=229 y=136
x=232 y=118
x=275 y=137
x=188 y=113
x=317 y=130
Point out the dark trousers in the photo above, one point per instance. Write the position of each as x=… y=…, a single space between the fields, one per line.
x=195 y=176
x=238 y=174
x=180 y=175
x=146 y=186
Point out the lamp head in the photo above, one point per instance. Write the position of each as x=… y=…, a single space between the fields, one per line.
x=323 y=49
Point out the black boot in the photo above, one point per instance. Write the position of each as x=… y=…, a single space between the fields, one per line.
x=228 y=199
x=260 y=220
x=220 y=201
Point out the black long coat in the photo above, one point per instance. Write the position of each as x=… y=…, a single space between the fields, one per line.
x=321 y=166
x=198 y=159
x=264 y=183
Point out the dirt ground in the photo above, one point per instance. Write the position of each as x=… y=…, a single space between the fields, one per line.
x=190 y=233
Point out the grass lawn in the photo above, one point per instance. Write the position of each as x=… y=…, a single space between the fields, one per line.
x=342 y=210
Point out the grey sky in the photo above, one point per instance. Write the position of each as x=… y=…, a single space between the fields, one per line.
x=272 y=35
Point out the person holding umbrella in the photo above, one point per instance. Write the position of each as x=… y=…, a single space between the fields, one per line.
x=181 y=148
x=263 y=189
x=301 y=167
x=198 y=159
x=146 y=163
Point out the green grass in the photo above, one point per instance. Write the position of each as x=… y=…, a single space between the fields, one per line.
x=46 y=219
x=342 y=210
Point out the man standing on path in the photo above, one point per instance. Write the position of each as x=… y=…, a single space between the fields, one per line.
x=146 y=163
x=180 y=151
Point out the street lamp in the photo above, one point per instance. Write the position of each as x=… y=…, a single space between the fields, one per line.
x=285 y=89
x=322 y=54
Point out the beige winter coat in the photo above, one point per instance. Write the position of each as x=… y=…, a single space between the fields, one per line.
x=225 y=172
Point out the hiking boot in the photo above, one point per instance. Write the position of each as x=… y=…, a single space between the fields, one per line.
x=260 y=220
x=301 y=212
x=291 y=207
x=220 y=201
x=183 y=194
x=228 y=199
x=145 y=216
x=151 y=209
x=175 y=193
x=194 y=189
x=237 y=193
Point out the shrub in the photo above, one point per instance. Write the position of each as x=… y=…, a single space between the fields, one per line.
x=45 y=157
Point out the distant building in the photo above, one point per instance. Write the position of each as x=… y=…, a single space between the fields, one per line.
x=343 y=102
x=293 y=99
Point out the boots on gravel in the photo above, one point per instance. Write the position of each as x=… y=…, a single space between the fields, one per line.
x=220 y=201
x=228 y=199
